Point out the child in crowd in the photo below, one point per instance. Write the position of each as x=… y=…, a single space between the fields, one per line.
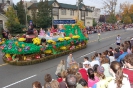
x=59 y=78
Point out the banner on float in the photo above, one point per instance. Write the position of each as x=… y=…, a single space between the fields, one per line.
x=55 y=22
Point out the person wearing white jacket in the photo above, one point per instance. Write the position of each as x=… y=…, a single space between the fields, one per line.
x=120 y=80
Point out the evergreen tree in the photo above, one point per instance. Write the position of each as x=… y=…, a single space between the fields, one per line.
x=21 y=12
x=44 y=15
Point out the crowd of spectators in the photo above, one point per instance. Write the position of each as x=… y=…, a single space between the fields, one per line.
x=107 y=27
x=112 y=68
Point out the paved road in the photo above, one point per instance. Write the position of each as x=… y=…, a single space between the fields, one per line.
x=23 y=76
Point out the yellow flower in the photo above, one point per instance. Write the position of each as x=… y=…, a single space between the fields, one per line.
x=48 y=51
x=76 y=36
x=53 y=42
x=8 y=55
x=50 y=41
x=61 y=39
x=36 y=41
x=16 y=43
x=21 y=39
x=67 y=38
x=63 y=48
x=23 y=45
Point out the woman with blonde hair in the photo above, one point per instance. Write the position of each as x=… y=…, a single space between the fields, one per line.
x=60 y=67
x=120 y=80
x=54 y=84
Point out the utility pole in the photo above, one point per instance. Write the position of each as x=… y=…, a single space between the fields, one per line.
x=78 y=3
x=26 y=15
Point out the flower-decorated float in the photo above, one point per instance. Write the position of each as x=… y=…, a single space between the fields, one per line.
x=19 y=52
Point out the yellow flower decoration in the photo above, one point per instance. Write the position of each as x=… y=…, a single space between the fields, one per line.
x=16 y=43
x=60 y=39
x=23 y=45
x=76 y=36
x=54 y=43
x=2 y=42
x=8 y=55
x=67 y=38
x=50 y=41
x=36 y=41
x=21 y=39
x=63 y=48
x=48 y=51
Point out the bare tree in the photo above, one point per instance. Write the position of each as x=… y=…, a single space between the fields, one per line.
x=109 y=6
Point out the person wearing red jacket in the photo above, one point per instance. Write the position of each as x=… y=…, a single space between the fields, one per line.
x=83 y=72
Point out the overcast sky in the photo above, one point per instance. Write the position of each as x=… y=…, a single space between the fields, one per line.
x=96 y=3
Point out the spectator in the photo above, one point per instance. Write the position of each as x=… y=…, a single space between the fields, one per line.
x=97 y=58
x=92 y=78
x=106 y=66
x=86 y=65
x=78 y=76
x=111 y=49
x=70 y=60
x=103 y=82
x=63 y=83
x=105 y=54
x=54 y=84
x=87 y=60
x=71 y=81
x=36 y=84
x=132 y=49
x=99 y=55
x=122 y=56
x=94 y=61
x=111 y=56
x=59 y=79
x=48 y=80
x=95 y=69
x=60 y=67
x=129 y=67
x=121 y=80
x=117 y=53
x=83 y=84
x=74 y=68
x=131 y=40
x=4 y=34
x=100 y=72
x=83 y=72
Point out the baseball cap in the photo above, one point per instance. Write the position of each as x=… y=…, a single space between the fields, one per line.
x=86 y=62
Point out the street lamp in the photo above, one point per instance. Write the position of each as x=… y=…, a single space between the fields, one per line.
x=78 y=3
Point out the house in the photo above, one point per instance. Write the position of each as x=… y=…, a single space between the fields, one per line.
x=4 y=4
x=62 y=11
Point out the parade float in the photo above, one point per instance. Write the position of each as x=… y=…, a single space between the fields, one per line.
x=42 y=48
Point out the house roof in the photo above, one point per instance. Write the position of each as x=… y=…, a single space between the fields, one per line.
x=62 y=5
x=67 y=6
